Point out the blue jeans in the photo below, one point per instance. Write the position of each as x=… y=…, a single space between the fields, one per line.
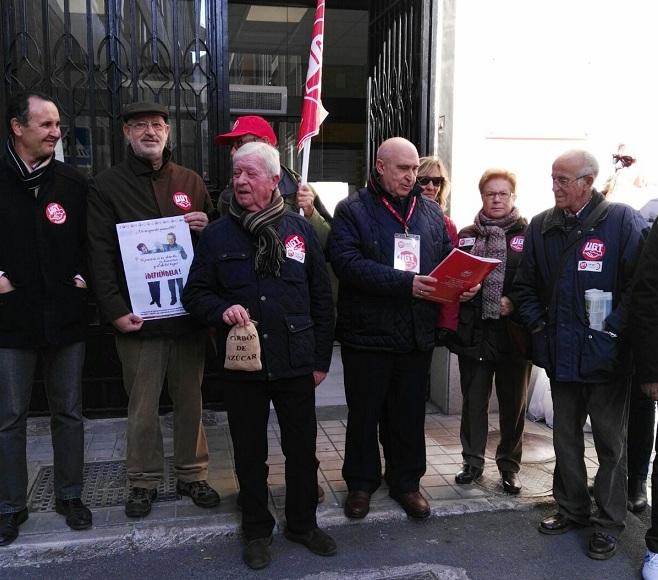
x=63 y=378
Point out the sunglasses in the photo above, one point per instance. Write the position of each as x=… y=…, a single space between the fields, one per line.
x=626 y=160
x=436 y=181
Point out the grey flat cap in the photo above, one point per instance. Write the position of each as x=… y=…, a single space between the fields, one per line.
x=145 y=108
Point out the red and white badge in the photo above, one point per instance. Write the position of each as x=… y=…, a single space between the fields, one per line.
x=516 y=243
x=182 y=200
x=295 y=248
x=593 y=249
x=55 y=213
x=466 y=242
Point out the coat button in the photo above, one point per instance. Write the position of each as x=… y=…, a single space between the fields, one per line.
x=263 y=298
x=266 y=336
x=292 y=327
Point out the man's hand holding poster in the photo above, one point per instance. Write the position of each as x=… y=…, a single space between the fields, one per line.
x=156 y=258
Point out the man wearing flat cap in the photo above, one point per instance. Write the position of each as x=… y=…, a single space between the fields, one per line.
x=147 y=184
x=296 y=195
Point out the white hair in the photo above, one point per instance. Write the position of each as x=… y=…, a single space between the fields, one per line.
x=265 y=152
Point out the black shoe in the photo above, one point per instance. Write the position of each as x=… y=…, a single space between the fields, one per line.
x=201 y=493
x=9 y=526
x=637 y=495
x=78 y=516
x=601 y=546
x=139 y=502
x=173 y=301
x=557 y=524
x=257 y=553
x=468 y=474
x=357 y=504
x=511 y=483
x=316 y=541
x=152 y=303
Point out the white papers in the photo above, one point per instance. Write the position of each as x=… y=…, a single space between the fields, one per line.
x=156 y=258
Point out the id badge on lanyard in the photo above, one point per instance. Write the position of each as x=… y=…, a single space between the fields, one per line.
x=406 y=256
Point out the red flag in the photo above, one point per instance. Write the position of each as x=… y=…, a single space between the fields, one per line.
x=313 y=113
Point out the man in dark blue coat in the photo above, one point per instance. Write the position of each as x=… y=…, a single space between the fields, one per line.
x=385 y=239
x=264 y=263
x=42 y=307
x=582 y=243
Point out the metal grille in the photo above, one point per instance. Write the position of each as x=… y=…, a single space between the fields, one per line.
x=95 y=57
x=105 y=486
x=399 y=71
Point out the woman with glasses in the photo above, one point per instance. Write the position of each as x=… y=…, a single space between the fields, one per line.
x=489 y=342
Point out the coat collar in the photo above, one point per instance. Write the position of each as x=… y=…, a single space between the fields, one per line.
x=555 y=218
x=141 y=166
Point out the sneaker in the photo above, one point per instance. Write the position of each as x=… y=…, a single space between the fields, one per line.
x=650 y=566
x=78 y=516
x=201 y=493
x=139 y=502
x=315 y=540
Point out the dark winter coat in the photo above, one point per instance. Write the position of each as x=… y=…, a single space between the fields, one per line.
x=604 y=257
x=294 y=311
x=492 y=339
x=42 y=250
x=376 y=309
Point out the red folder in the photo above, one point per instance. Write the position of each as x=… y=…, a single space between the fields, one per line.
x=458 y=272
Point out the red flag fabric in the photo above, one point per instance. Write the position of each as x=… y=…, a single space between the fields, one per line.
x=313 y=113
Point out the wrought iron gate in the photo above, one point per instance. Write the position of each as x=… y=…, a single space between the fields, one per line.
x=94 y=56
x=399 y=73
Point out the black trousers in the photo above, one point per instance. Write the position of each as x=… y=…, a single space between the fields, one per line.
x=511 y=376
x=385 y=390
x=607 y=406
x=641 y=418
x=248 y=408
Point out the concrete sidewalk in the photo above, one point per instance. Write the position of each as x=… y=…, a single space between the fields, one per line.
x=173 y=521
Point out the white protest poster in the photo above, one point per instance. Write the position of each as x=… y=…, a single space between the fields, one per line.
x=156 y=258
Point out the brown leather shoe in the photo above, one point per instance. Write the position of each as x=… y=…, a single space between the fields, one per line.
x=357 y=504
x=413 y=503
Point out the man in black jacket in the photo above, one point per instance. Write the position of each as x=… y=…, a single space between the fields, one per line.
x=42 y=307
x=264 y=263
x=385 y=239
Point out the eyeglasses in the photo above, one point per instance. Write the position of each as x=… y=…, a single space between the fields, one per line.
x=565 y=181
x=626 y=160
x=141 y=126
x=500 y=194
x=436 y=181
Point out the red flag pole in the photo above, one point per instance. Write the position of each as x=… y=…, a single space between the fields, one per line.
x=313 y=113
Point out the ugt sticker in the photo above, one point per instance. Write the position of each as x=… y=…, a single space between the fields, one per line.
x=55 y=213
x=516 y=243
x=593 y=249
x=295 y=248
x=590 y=266
x=182 y=200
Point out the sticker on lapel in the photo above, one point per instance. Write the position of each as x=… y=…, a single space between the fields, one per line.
x=516 y=243
x=593 y=249
x=182 y=200
x=590 y=266
x=55 y=213
x=466 y=242
x=295 y=248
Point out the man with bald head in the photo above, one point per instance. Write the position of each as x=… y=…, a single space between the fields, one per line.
x=384 y=241
x=583 y=243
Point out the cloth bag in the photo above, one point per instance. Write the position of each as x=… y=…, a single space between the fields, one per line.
x=243 y=348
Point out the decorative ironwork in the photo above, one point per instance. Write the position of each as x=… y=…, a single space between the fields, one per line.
x=398 y=72
x=94 y=56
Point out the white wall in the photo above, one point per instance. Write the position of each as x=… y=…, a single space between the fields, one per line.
x=532 y=79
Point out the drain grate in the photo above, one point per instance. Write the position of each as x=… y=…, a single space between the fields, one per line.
x=105 y=485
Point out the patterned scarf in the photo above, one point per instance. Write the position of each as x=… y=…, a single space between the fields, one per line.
x=32 y=180
x=270 y=254
x=491 y=242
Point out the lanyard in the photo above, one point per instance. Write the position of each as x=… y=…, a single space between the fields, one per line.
x=397 y=216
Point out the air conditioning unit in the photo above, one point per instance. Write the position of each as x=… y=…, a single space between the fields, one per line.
x=258 y=99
